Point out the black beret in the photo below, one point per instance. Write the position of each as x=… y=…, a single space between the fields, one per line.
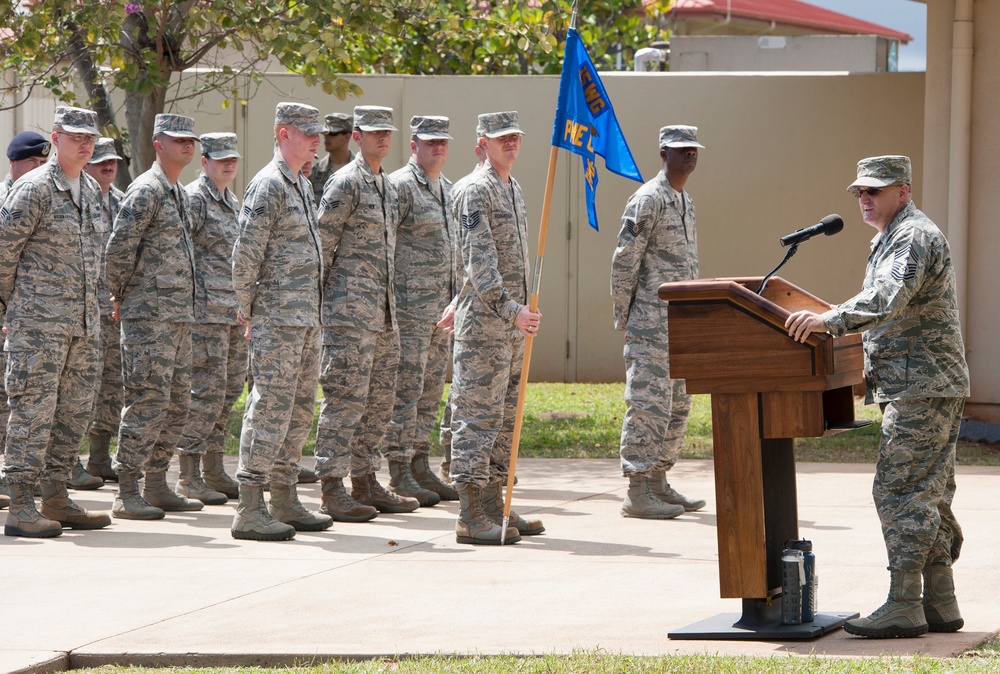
x=28 y=144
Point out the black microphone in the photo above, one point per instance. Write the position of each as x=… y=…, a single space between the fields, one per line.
x=829 y=226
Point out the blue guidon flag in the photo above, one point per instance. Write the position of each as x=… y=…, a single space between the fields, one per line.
x=585 y=122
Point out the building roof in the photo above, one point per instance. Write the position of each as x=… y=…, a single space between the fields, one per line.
x=800 y=16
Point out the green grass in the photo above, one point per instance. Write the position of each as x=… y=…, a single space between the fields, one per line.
x=979 y=661
x=579 y=421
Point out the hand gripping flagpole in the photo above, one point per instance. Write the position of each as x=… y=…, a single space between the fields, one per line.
x=536 y=279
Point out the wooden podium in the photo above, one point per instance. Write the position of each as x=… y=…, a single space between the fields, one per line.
x=766 y=389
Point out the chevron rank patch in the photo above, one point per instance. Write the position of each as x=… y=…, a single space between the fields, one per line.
x=901 y=271
x=634 y=228
x=124 y=214
x=8 y=215
x=329 y=205
x=253 y=213
x=471 y=221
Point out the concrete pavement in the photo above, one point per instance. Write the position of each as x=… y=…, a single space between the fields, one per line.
x=182 y=591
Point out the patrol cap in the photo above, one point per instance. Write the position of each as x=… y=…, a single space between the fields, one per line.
x=303 y=117
x=28 y=144
x=429 y=128
x=104 y=150
x=882 y=171
x=76 y=120
x=219 y=145
x=373 y=118
x=175 y=126
x=679 y=135
x=496 y=124
x=339 y=122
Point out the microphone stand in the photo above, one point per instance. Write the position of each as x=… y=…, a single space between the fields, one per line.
x=788 y=255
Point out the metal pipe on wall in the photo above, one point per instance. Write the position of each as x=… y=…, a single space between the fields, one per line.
x=960 y=142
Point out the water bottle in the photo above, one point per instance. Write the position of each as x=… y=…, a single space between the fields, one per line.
x=809 y=591
x=792 y=582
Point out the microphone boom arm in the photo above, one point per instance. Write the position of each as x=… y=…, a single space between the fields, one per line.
x=788 y=255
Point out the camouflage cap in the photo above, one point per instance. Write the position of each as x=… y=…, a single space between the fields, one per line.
x=175 y=126
x=219 y=145
x=339 y=122
x=429 y=128
x=679 y=135
x=104 y=150
x=373 y=118
x=496 y=124
x=882 y=171
x=76 y=120
x=303 y=117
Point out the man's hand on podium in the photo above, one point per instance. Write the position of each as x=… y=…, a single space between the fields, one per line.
x=803 y=323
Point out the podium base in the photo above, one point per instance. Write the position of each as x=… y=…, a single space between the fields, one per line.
x=760 y=621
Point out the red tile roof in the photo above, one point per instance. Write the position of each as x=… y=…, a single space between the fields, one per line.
x=800 y=15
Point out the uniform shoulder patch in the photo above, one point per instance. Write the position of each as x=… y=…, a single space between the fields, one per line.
x=10 y=215
x=634 y=228
x=253 y=213
x=471 y=220
x=329 y=205
x=125 y=214
x=902 y=270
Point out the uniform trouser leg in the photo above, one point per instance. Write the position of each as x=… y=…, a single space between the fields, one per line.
x=218 y=367
x=364 y=444
x=423 y=360
x=444 y=435
x=345 y=375
x=50 y=381
x=4 y=412
x=484 y=403
x=429 y=406
x=656 y=412
x=284 y=362
x=156 y=373
x=108 y=402
x=915 y=482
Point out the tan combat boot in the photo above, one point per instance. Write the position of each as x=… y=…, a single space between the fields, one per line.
x=493 y=506
x=641 y=503
x=286 y=507
x=367 y=491
x=402 y=482
x=215 y=476
x=99 y=461
x=253 y=522
x=191 y=484
x=58 y=506
x=473 y=526
x=339 y=505
x=902 y=614
x=156 y=493
x=940 y=605
x=81 y=479
x=661 y=489
x=22 y=517
x=129 y=505
x=426 y=478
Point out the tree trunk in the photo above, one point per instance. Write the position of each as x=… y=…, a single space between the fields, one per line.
x=140 y=113
x=98 y=100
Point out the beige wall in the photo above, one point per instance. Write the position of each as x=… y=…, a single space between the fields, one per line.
x=981 y=321
x=781 y=148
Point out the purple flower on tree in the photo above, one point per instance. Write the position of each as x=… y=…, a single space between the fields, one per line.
x=132 y=7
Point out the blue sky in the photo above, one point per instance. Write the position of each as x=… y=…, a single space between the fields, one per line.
x=904 y=15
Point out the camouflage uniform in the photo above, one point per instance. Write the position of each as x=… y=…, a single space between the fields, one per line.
x=357 y=218
x=493 y=243
x=4 y=407
x=425 y=284
x=150 y=270
x=277 y=271
x=657 y=244
x=49 y=264
x=218 y=345
x=5 y=186
x=336 y=122
x=108 y=403
x=915 y=370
